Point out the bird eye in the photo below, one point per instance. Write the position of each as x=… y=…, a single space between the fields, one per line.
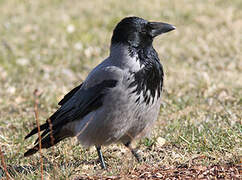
x=143 y=31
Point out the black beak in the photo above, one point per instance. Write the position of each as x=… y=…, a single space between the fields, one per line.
x=157 y=28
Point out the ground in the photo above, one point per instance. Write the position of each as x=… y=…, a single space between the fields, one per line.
x=52 y=45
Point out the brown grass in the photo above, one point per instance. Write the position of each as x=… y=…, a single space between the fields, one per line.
x=36 y=112
x=4 y=165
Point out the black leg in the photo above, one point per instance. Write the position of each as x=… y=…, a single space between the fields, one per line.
x=133 y=151
x=100 y=155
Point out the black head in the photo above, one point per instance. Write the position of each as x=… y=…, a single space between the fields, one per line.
x=137 y=32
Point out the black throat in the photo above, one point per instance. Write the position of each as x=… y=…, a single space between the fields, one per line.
x=149 y=79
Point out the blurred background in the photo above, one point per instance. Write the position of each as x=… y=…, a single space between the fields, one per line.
x=52 y=46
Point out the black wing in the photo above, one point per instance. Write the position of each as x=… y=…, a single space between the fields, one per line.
x=62 y=101
x=84 y=101
x=69 y=95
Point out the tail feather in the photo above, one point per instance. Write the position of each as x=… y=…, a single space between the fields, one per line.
x=42 y=135
x=47 y=142
x=44 y=126
x=46 y=136
x=32 y=151
x=35 y=130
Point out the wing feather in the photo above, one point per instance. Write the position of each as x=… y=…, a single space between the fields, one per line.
x=75 y=105
x=69 y=95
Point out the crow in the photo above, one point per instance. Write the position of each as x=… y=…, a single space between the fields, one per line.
x=121 y=97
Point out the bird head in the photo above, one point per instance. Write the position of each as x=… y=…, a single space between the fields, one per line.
x=137 y=32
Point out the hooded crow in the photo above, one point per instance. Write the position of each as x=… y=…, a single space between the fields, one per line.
x=120 y=98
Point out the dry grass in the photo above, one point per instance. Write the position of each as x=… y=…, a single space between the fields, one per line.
x=52 y=45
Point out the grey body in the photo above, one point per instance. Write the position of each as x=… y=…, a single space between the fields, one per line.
x=120 y=118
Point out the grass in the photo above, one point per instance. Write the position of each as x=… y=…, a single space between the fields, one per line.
x=52 y=46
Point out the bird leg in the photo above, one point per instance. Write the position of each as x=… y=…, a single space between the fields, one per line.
x=100 y=155
x=133 y=151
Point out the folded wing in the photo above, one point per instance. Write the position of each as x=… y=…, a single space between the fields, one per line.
x=74 y=106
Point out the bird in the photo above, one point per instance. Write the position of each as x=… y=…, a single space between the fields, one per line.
x=119 y=100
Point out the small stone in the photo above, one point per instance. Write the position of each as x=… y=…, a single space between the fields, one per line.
x=11 y=90
x=22 y=61
x=78 y=46
x=70 y=28
x=160 y=141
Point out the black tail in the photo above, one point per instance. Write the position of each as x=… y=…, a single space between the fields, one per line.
x=44 y=126
x=48 y=137
x=35 y=130
x=47 y=142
